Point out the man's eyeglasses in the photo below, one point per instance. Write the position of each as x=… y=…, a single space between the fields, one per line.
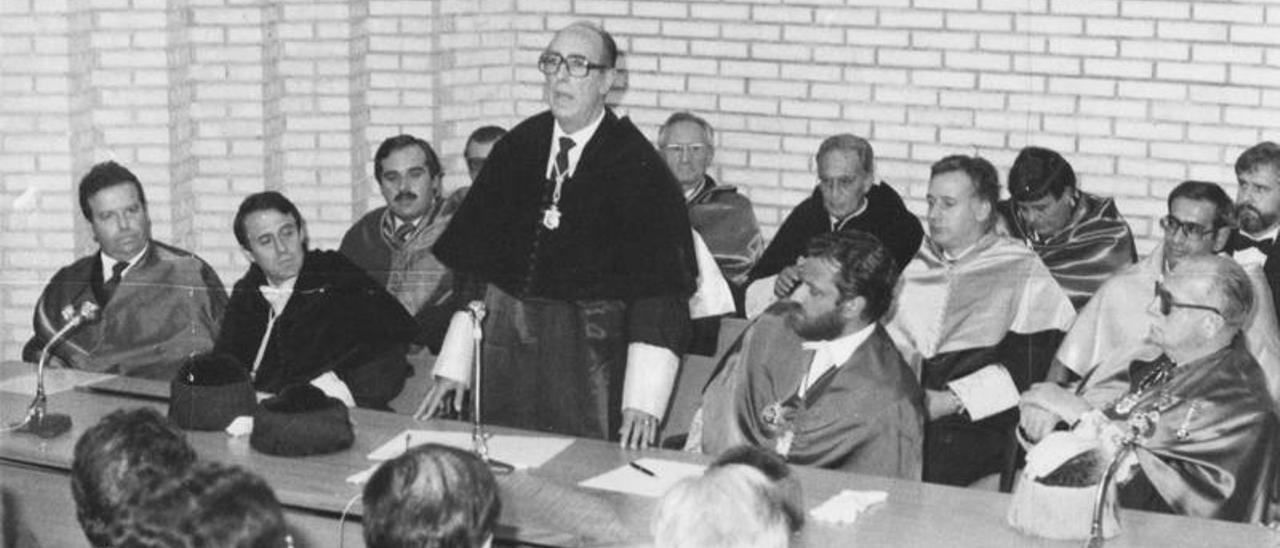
x=1167 y=304
x=1173 y=226
x=577 y=65
x=844 y=182
x=695 y=149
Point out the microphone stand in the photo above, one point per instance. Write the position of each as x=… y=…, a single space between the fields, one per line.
x=480 y=439
x=38 y=421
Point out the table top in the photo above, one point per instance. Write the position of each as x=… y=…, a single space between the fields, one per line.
x=546 y=505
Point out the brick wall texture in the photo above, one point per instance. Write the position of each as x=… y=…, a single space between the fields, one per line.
x=209 y=100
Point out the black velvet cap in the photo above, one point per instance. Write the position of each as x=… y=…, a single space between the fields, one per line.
x=209 y=391
x=301 y=420
x=1039 y=172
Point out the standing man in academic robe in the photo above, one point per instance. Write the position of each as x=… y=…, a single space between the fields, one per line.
x=302 y=316
x=1080 y=236
x=158 y=305
x=580 y=233
x=1205 y=425
x=847 y=197
x=1258 y=211
x=982 y=317
x=816 y=378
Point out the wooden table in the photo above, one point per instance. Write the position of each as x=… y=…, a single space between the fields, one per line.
x=544 y=505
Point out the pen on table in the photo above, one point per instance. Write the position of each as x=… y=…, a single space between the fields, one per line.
x=642 y=469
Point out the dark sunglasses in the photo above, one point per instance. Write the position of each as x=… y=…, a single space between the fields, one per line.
x=1167 y=304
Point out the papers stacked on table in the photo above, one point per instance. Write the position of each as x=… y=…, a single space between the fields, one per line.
x=633 y=481
x=518 y=451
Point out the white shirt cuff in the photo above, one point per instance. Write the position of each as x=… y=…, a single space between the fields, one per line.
x=457 y=352
x=651 y=373
x=332 y=386
x=985 y=392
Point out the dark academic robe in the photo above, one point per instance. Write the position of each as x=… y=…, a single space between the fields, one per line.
x=1214 y=444
x=886 y=217
x=338 y=319
x=1096 y=244
x=618 y=270
x=727 y=223
x=166 y=309
x=996 y=304
x=865 y=416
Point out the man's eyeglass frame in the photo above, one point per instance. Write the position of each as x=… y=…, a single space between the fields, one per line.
x=576 y=65
x=1167 y=303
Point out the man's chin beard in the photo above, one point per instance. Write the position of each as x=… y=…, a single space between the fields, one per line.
x=822 y=328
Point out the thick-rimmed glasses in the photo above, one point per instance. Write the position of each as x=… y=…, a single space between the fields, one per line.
x=1167 y=304
x=577 y=65
x=692 y=149
x=1173 y=226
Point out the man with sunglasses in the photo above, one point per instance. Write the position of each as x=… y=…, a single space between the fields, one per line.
x=579 y=233
x=1114 y=323
x=847 y=197
x=1081 y=237
x=1196 y=402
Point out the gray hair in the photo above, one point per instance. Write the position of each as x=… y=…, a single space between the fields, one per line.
x=685 y=116
x=848 y=142
x=1231 y=290
x=730 y=506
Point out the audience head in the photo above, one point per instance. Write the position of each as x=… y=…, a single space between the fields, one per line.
x=733 y=506
x=478 y=147
x=112 y=200
x=846 y=171
x=776 y=470
x=432 y=496
x=962 y=198
x=272 y=235
x=580 y=68
x=1199 y=222
x=1199 y=306
x=124 y=454
x=1043 y=187
x=1258 y=198
x=211 y=504
x=687 y=142
x=846 y=282
x=409 y=175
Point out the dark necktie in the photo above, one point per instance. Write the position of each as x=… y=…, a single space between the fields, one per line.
x=117 y=270
x=1240 y=242
x=404 y=231
x=562 y=158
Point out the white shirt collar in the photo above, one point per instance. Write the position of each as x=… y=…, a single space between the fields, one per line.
x=107 y=262
x=580 y=140
x=1268 y=234
x=832 y=354
x=278 y=295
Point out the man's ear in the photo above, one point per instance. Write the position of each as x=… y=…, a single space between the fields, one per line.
x=851 y=309
x=247 y=255
x=1220 y=239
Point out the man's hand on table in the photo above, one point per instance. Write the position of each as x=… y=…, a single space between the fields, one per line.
x=639 y=429
x=440 y=390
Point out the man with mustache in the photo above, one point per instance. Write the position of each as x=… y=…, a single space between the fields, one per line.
x=393 y=243
x=816 y=378
x=1081 y=237
x=305 y=316
x=1258 y=211
x=158 y=304
x=579 y=232
x=981 y=316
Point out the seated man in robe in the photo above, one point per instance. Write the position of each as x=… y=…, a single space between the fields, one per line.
x=816 y=378
x=1199 y=223
x=1080 y=236
x=302 y=316
x=982 y=316
x=1205 y=426
x=847 y=197
x=158 y=304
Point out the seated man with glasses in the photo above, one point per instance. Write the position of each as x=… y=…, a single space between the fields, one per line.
x=1194 y=402
x=1115 y=321
x=578 y=233
x=847 y=197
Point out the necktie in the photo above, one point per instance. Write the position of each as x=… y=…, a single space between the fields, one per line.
x=117 y=270
x=562 y=159
x=404 y=231
x=1240 y=242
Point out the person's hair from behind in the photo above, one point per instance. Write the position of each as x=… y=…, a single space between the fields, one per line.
x=211 y=505
x=776 y=470
x=105 y=175
x=732 y=506
x=127 y=452
x=432 y=496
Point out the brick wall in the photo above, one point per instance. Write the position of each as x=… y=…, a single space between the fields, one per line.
x=209 y=100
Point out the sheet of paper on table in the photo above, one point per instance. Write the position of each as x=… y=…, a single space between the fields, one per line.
x=518 y=451
x=55 y=380
x=626 y=479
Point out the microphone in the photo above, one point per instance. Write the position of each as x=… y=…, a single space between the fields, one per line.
x=479 y=439
x=38 y=421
